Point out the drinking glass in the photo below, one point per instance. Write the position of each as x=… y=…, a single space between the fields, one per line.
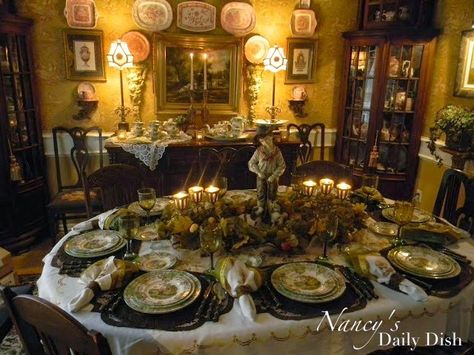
x=128 y=228
x=370 y=180
x=147 y=200
x=402 y=214
x=221 y=183
x=210 y=240
x=326 y=231
x=297 y=181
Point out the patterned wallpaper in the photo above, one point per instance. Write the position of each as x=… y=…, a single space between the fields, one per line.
x=57 y=95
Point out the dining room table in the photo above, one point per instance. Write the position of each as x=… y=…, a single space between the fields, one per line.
x=358 y=325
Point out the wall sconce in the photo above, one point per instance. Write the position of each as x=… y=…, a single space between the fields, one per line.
x=86 y=100
x=298 y=100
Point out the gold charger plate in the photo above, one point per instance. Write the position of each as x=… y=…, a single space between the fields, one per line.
x=419 y=216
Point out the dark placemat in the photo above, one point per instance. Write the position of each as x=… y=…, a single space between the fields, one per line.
x=267 y=299
x=118 y=314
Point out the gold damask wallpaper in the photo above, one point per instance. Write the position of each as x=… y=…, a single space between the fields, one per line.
x=57 y=95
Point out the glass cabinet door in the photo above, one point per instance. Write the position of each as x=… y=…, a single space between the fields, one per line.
x=358 y=104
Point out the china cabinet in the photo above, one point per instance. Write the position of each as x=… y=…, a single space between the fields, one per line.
x=23 y=190
x=383 y=99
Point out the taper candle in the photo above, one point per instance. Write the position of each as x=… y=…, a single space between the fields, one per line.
x=191 y=55
x=205 y=71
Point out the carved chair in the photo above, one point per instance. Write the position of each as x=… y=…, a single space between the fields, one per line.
x=6 y=323
x=69 y=201
x=318 y=169
x=447 y=200
x=305 y=150
x=44 y=328
x=213 y=163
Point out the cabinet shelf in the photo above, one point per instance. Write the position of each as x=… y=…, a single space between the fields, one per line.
x=398 y=111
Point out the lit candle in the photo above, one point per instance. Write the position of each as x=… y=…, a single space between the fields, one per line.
x=191 y=55
x=308 y=187
x=326 y=185
x=181 y=200
x=284 y=135
x=196 y=193
x=205 y=71
x=343 y=190
x=212 y=193
x=121 y=134
x=199 y=135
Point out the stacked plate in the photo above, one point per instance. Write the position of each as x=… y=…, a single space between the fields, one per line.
x=308 y=282
x=94 y=244
x=156 y=261
x=419 y=216
x=424 y=262
x=162 y=291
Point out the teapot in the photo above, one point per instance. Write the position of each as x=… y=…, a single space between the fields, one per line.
x=171 y=127
x=237 y=125
x=220 y=129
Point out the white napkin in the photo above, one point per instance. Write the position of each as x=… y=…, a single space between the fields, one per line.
x=383 y=271
x=90 y=223
x=101 y=275
x=242 y=279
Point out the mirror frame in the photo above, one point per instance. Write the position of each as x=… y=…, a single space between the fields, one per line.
x=462 y=86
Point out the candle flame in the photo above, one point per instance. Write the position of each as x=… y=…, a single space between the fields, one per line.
x=180 y=195
x=309 y=183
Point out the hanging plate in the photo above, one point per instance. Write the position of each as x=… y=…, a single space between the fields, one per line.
x=138 y=44
x=238 y=18
x=152 y=15
x=196 y=16
x=256 y=49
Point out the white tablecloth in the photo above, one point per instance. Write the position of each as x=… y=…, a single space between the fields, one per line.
x=268 y=335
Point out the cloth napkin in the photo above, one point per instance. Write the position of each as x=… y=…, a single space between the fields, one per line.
x=101 y=276
x=94 y=222
x=381 y=269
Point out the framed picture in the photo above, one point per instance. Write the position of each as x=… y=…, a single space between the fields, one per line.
x=84 y=55
x=301 y=60
x=464 y=85
x=213 y=62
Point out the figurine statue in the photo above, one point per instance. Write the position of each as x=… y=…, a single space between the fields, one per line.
x=268 y=163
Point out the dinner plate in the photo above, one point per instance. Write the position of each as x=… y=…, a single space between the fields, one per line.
x=102 y=253
x=308 y=282
x=256 y=49
x=419 y=216
x=384 y=228
x=424 y=262
x=228 y=139
x=152 y=15
x=93 y=242
x=238 y=18
x=159 y=206
x=138 y=44
x=156 y=261
x=162 y=291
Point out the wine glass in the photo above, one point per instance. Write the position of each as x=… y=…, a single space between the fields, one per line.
x=210 y=240
x=297 y=181
x=128 y=228
x=369 y=180
x=402 y=214
x=221 y=183
x=326 y=230
x=147 y=200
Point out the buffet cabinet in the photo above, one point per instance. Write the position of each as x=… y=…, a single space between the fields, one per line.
x=384 y=91
x=23 y=190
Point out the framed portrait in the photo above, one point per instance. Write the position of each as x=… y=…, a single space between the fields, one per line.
x=84 y=55
x=464 y=85
x=213 y=62
x=301 y=60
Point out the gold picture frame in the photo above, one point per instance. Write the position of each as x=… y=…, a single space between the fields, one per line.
x=172 y=71
x=301 y=60
x=464 y=85
x=84 y=55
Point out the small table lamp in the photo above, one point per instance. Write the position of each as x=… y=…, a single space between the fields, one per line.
x=275 y=61
x=120 y=57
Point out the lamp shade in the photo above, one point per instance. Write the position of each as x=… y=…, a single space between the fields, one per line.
x=275 y=60
x=119 y=55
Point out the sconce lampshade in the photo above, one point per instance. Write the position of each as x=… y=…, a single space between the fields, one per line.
x=275 y=60
x=119 y=55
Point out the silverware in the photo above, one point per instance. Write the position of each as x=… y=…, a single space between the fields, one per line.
x=360 y=290
x=366 y=282
x=272 y=295
x=417 y=281
x=204 y=299
x=211 y=307
x=221 y=296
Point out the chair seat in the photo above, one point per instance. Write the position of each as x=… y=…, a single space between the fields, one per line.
x=73 y=200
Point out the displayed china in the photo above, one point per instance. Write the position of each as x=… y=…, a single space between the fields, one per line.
x=159 y=206
x=256 y=48
x=81 y=13
x=162 y=291
x=152 y=15
x=238 y=18
x=303 y=22
x=268 y=122
x=299 y=93
x=156 y=261
x=94 y=243
x=229 y=138
x=308 y=282
x=424 y=262
x=86 y=91
x=384 y=228
x=419 y=216
x=196 y=16
x=138 y=44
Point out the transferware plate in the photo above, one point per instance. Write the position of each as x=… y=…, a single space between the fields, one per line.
x=93 y=242
x=419 y=216
x=152 y=15
x=238 y=18
x=384 y=228
x=156 y=261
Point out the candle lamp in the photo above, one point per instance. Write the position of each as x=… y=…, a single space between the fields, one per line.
x=196 y=193
x=199 y=135
x=212 y=193
x=326 y=185
x=121 y=134
x=343 y=190
x=181 y=200
x=308 y=187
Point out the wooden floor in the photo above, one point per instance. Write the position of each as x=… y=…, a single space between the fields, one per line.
x=28 y=265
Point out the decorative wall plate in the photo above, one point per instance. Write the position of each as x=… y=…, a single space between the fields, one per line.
x=303 y=23
x=138 y=44
x=80 y=13
x=196 y=16
x=86 y=91
x=152 y=15
x=256 y=49
x=238 y=18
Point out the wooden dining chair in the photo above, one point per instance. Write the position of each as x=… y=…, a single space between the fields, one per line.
x=318 y=169
x=44 y=328
x=305 y=150
x=115 y=185
x=447 y=204
x=212 y=163
x=6 y=323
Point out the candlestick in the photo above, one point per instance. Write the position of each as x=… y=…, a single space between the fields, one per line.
x=205 y=71
x=181 y=200
x=191 y=55
x=326 y=185
x=308 y=187
x=196 y=193
x=212 y=193
x=343 y=190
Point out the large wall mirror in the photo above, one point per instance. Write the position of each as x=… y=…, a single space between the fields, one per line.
x=211 y=62
x=464 y=85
